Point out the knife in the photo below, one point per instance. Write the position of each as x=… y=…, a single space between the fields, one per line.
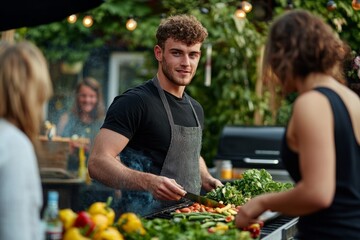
x=203 y=200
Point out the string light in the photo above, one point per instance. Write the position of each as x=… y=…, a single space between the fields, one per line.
x=131 y=24
x=246 y=6
x=72 y=18
x=239 y=13
x=331 y=5
x=88 y=21
x=355 y=5
x=242 y=8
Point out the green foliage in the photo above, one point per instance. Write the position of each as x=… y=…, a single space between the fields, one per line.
x=175 y=229
x=62 y=41
x=236 y=47
x=253 y=183
x=344 y=19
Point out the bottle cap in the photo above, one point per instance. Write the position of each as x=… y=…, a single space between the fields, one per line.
x=226 y=164
x=53 y=196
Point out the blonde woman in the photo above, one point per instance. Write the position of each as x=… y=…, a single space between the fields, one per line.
x=24 y=87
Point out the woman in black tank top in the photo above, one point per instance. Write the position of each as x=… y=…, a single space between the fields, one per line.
x=321 y=145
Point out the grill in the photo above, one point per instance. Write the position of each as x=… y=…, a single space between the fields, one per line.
x=279 y=228
x=253 y=147
x=166 y=212
x=258 y=147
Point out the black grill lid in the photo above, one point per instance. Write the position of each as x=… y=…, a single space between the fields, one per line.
x=251 y=146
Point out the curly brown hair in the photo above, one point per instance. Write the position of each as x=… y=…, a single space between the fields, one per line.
x=184 y=28
x=300 y=43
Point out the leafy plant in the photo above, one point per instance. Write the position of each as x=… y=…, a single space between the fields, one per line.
x=253 y=182
x=233 y=96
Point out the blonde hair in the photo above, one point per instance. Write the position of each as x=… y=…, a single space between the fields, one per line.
x=25 y=86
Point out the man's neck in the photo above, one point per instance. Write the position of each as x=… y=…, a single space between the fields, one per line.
x=169 y=86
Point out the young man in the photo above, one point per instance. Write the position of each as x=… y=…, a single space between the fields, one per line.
x=156 y=128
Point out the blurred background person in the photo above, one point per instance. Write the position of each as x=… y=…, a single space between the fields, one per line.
x=87 y=113
x=24 y=88
x=84 y=120
x=81 y=124
x=321 y=144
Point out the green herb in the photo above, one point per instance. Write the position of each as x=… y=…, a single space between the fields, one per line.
x=254 y=182
x=182 y=229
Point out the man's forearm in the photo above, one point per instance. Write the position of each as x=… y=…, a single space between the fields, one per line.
x=114 y=174
x=204 y=172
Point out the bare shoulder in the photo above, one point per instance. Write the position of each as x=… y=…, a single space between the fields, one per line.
x=311 y=113
x=316 y=107
x=311 y=102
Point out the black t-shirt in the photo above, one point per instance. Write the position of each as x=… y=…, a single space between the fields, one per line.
x=139 y=115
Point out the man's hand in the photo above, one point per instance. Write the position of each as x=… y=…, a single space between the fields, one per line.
x=209 y=183
x=164 y=188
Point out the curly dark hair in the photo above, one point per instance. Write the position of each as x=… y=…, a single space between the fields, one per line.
x=300 y=43
x=184 y=28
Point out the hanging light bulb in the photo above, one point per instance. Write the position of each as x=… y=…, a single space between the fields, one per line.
x=246 y=6
x=72 y=18
x=355 y=5
x=239 y=13
x=131 y=24
x=331 y=5
x=88 y=21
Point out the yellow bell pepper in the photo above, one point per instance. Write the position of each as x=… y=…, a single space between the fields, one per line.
x=101 y=221
x=67 y=217
x=109 y=233
x=130 y=223
x=103 y=208
x=74 y=234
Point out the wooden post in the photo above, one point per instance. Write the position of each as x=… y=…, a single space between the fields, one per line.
x=8 y=35
x=258 y=116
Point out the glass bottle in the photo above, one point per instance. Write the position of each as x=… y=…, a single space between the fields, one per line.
x=82 y=164
x=226 y=169
x=53 y=224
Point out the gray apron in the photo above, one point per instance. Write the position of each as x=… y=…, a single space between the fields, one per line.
x=181 y=163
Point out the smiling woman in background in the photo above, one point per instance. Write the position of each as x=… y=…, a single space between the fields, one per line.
x=84 y=120
x=24 y=88
x=87 y=113
x=321 y=146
